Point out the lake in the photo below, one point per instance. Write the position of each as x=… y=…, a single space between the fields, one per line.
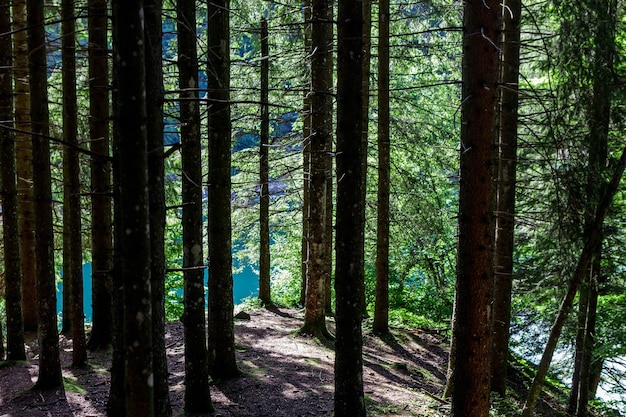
x=245 y=284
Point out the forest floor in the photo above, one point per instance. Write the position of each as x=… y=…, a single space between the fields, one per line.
x=283 y=375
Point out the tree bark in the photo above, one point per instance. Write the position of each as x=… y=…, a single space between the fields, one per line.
x=306 y=159
x=72 y=224
x=365 y=88
x=222 y=362
x=599 y=124
x=8 y=195
x=101 y=205
x=197 y=394
x=581 y=269
x=24 y=166
x=505 y=203
x=49 y=361
x=381 y=308
x=321 y=136
x=474 y=282
x=349 y=396
x=264 y=180
x=130 y=121
x=153 y=36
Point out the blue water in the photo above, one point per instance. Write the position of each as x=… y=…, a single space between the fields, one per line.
x=245 y=284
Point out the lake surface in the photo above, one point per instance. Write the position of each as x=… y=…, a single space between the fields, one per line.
x=245 y=284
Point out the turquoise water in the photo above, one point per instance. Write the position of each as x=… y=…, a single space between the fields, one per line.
x=245 y=284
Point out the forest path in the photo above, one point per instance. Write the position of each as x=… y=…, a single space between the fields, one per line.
x=284 y=375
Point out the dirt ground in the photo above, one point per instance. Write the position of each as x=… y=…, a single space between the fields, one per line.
x=284 y=375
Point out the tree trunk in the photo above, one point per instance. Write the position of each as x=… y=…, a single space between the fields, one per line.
x=599 y=122
x=321 y=135
x=592 y=240
x=116 y=403
x=474 y=283
x=8 y=195
x=264 y=180
x=222 y=362
x=349 y=397
x=588 y=352
x=101 y=210
x=24 y=166
x=154 y=109
x=365 y=88
x=381 y=308
x=579 y=345
x=130 y=121
x=72 y=236
x=49 y=361
x=306 y=159
x=197 y=394
x=505 y=203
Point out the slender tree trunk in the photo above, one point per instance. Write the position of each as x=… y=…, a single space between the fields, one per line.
x=365 y=88
x=588 y=353
x=101 y=209
x=381 y=308
x=156 y=175
x=197 y=394
x=72 y=236
x=349 y=397
x=24 y=166
x=321 y=135
x=505 y=203
x=116 y=403
x=328 y=231
x=264 y=180
x=448 y=391
x=8 y=195
x=222 y=362
x=306 y=159
x=579 y=346
x=592 y=240
x=474 y=283
x=598 y=149
x=49 y=362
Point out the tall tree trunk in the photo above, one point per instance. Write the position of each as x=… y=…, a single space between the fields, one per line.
x=8 y=195
x=591 y=242
x=306 y=158
x=264 y=180
x=365 y=88
x=381 y=308
x=349 y=397
x=116 y=402
x=222 y=362
x=130 y=121
x=321 y=135
x=101 y=209
x=197 y=395
x=328 y=231
x=24 y=166
x=589 y=330
x=505 y=189
x=72 y=236
x=474 y=282
x=49 y=360
x=153 y=36
x=599 y=123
